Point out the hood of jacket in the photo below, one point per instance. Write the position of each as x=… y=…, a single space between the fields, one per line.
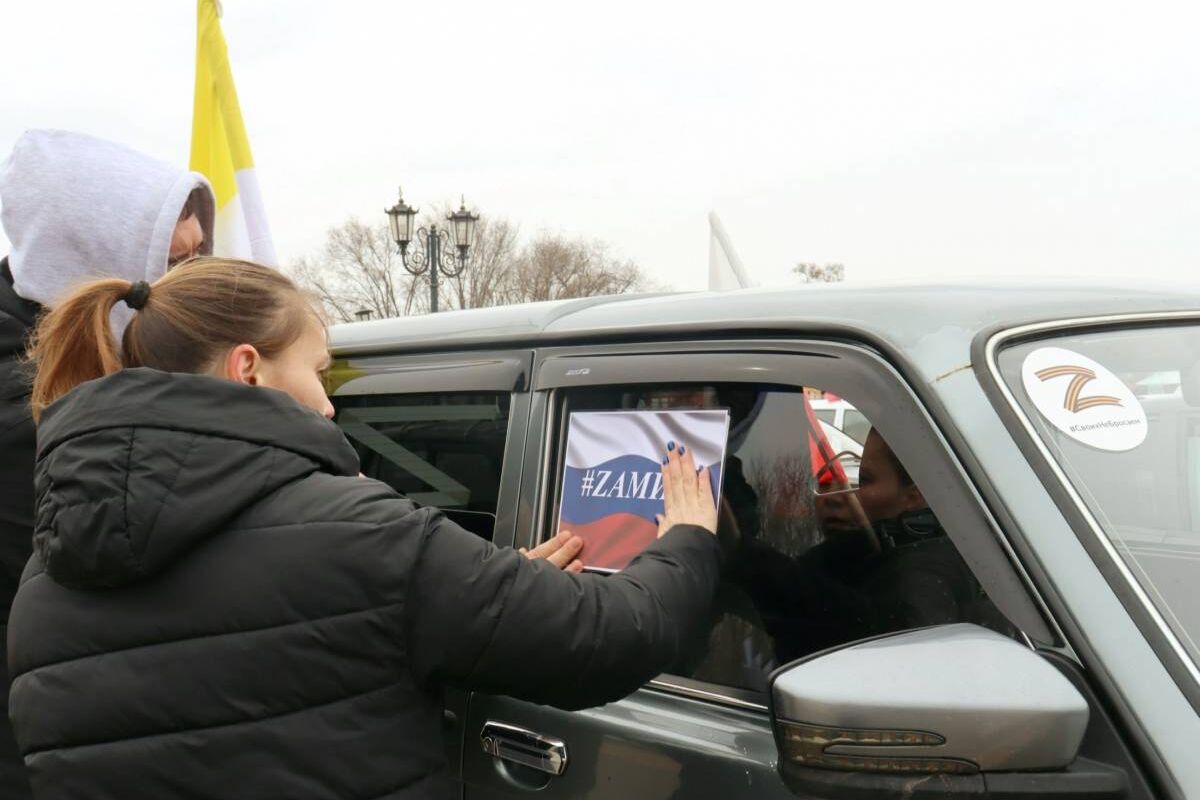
x=136 y=468
x=75 y=208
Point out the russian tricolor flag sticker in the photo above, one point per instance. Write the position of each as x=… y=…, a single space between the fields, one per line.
x=612 y=481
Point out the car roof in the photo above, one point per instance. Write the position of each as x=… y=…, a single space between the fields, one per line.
x=901 y=317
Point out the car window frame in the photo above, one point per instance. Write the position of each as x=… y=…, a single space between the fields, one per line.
x=1100 y=548
x=961 y=507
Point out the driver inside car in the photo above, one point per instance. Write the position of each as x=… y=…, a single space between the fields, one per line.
x=897 y=571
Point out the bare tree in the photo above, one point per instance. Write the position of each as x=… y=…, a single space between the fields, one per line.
x=820 y=273
x=554 y=268
x=358 y=268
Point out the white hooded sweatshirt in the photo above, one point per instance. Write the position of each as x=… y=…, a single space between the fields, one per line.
x=77 y=208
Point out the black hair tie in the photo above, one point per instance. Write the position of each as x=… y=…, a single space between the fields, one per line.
x=138 y=294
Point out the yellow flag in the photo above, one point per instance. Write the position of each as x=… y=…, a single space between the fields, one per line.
x=221 y=150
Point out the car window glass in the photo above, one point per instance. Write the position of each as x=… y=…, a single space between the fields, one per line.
x=813 y=559
x=856 y=425
x=444 y=450
x=1119 y=410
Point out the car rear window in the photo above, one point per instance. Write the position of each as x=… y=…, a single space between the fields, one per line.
x=444 y=450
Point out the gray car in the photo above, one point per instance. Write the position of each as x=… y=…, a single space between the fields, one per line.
x=1042 y=643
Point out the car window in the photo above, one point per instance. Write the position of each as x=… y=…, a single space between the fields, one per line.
x=856 y=425
x=443 y=450
x=813 y=558
x=1119 y=411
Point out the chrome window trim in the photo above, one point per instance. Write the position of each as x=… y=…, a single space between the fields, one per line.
x=991 y=350
x=666 y=686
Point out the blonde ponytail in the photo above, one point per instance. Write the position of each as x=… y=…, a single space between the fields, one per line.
x=74 y=343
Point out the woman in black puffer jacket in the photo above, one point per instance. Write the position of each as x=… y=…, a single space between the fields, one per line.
x=218 y=606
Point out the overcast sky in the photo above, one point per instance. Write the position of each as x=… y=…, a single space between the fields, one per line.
x=904 y=140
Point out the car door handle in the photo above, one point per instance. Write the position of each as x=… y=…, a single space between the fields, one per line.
x=508 y=742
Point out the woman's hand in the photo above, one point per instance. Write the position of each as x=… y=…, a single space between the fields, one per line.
x=559 y=551
x=687 y=493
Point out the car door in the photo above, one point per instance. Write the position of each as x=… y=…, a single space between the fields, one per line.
x=705 y=729
x=446 y=430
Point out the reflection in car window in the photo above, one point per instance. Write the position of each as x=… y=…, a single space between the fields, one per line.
x=812 y=560
x=856 y=425
x=444 y=450
x=1145 y=493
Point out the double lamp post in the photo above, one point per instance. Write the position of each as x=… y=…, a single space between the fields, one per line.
x=427 y=255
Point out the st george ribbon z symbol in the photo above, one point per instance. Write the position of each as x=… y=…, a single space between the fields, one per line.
x=1082 y=376
x=1098 y=410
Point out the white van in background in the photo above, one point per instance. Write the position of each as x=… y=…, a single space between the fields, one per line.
x=843 y=416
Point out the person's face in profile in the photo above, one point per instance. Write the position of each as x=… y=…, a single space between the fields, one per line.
x=299 y=370
x=882 y=491
x=186 y=240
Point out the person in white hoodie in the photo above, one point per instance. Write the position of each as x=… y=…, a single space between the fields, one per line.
x=74 y=208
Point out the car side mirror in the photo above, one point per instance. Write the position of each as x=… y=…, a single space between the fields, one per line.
x=948 y=711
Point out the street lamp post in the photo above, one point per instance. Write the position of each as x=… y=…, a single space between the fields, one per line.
x=427 y=256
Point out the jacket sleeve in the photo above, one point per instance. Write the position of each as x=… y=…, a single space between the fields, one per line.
x=490 y=619
x=17 y=443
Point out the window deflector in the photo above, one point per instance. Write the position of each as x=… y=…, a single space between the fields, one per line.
x=877 y=390
x=499 y=371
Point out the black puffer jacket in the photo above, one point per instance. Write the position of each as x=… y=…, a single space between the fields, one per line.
x=17 y=316
x=219 y=607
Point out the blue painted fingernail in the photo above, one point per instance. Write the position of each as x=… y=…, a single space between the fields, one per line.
x=682 y=449
x=670 y=445
x=664 y=462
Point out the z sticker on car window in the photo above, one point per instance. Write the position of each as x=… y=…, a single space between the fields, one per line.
x=1083 y=399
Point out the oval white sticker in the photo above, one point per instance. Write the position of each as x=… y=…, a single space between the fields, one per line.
x=1083 y=399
